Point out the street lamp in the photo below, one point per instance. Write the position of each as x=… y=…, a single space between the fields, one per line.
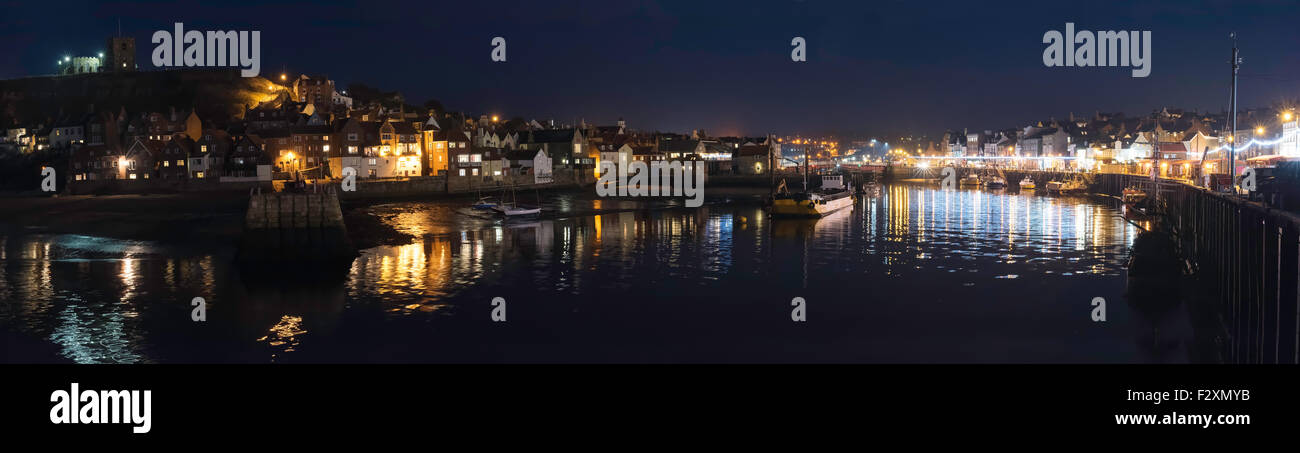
x=1259 y=130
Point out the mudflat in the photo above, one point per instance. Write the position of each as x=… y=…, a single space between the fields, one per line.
x=181 y=217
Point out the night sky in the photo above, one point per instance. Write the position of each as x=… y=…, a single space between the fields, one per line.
x=873 y=67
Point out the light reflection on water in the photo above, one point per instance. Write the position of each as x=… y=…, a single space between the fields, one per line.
x=910 y=274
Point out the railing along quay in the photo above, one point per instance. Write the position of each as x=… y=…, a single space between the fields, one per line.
x=1252 y=253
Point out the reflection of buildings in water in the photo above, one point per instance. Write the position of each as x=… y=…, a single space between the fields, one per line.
x=284 y=336
x=898 y=226
x=281 y=316
x=95 y=334
x=716 y=247
x=423 y=268
x=545 y=236
x=89 y=326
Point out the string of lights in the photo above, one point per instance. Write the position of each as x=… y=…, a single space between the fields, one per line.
x=1254 y=142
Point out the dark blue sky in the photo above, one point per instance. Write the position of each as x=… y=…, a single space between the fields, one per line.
x=873 y=67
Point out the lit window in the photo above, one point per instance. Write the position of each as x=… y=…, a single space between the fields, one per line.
x=462 y=172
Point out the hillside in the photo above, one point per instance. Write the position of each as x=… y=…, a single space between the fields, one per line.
x=219 y=94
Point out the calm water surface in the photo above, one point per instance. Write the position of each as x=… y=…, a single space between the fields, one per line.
x=910 y=274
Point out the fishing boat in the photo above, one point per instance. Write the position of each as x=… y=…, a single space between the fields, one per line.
x=1066 y=187
x=832 y=196
x=970 y=180
x=1028 y=184
x=1133 y=195
x=995 y=182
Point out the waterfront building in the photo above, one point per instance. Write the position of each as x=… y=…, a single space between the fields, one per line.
x=249 y=160
x=68 y=132
x=174 y=157
x=754 y=158
x=208 y=158
x=140 y=161
x=568 y=146
x=95 y=162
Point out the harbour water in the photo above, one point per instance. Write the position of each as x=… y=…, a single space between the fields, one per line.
x=910 y=274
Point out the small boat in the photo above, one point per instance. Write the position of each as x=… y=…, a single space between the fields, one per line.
x=970 y=180
x=486 y=203
x=1027 y=184
x=995 y=182
x=508 y=204
x=511 y=210
x=1134 y=196
x=1066 y=187
x=831 y=197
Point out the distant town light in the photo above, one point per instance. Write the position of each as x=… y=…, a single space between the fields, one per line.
x=284 y=77
x=67 y=58
x=101 y=55
x=494 y=118
x=1287 y=116
x=1259 y=130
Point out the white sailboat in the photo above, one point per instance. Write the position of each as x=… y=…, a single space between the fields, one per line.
x=511 y=208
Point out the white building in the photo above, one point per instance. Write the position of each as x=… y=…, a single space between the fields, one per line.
x=1289 y=145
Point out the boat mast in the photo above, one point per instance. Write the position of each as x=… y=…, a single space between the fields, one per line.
x=806 y=164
